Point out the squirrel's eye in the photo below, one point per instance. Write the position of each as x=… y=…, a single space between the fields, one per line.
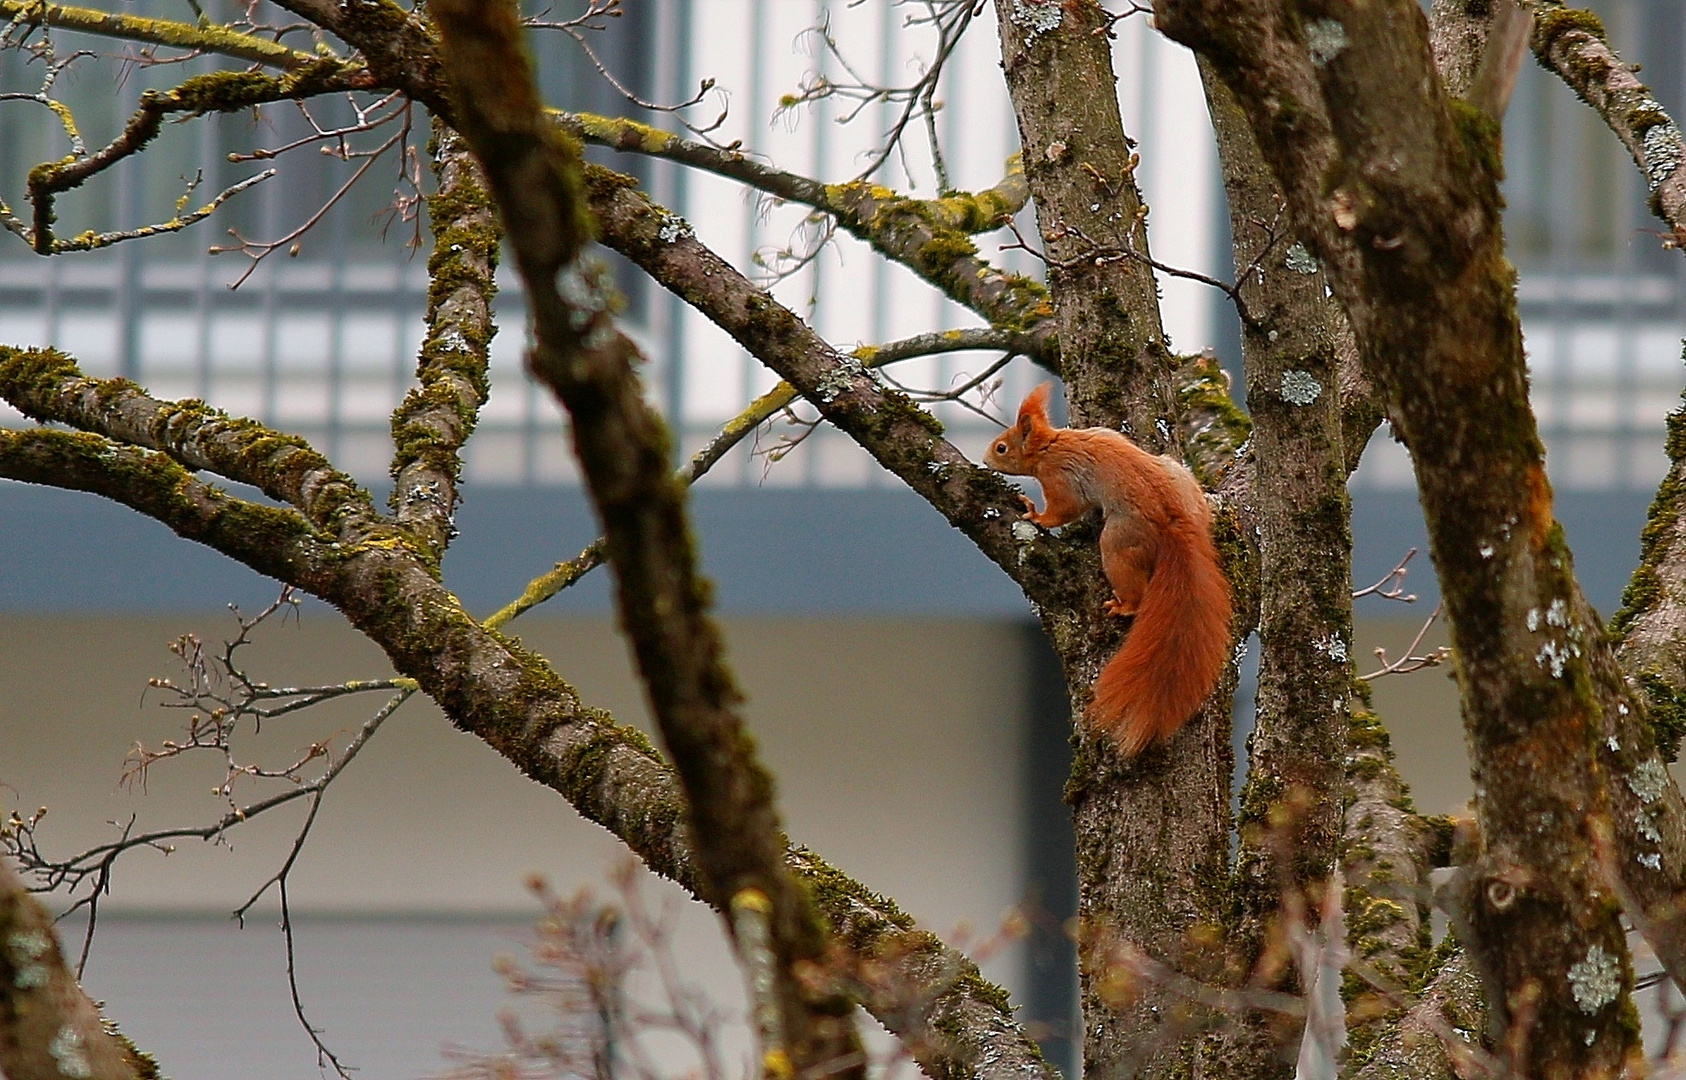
x=1000 y=448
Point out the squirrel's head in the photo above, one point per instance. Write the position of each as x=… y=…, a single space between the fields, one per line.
x=1013 y=449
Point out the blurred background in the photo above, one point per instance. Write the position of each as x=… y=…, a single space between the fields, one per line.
x=898 y=684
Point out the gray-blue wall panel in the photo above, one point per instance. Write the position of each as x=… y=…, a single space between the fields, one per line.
x=821 y=552
x=793 y=552
x=1602 y=529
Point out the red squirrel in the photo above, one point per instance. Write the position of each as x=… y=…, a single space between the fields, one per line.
x=1157 y=552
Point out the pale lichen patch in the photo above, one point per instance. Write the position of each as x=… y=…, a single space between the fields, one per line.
x=841 y=379
x=1595 y=981
x=1555 y=656
x=674 y=228
x=1325 y=39
x=1036 y=17
x=1299 y=260
x=27 y=947
x=1332 y=647
x=1649 y=780
x=1300 y=387
x=69 y=1053
x=1661 y=145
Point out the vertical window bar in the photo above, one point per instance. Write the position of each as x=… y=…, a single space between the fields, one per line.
x=819 y=125
x=268 y=278
x=130 y=302
x=210 y=168
x=673 y=82
x=335 y=308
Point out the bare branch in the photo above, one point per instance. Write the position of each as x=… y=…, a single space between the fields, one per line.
x=1392 y=584
x=258 y=250
x=216 y=92
x=950 y=20
x=95 y=863
x=1411 y=661
x=591 y=19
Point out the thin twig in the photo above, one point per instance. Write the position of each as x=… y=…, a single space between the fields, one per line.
x=1397 y=577
x=323 y=1054
x=263 y=249
x=1410 y=661
x=564 y=574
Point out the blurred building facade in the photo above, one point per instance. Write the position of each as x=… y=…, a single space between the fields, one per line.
x=818 y=546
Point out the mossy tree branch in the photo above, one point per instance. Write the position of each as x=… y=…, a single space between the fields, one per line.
x=931 y=237
x=272 y=541
x=399 y=46
x=49 y=1028
x=401 y=53
x=1571 y=43
x=206 y=37
x=1080 y=170
x=1649 y=816
x=1290 y=810
x=1650 y=833
x=438 y=414
x=1387 y=852
x=222 y=91
x=1428 y=1041
x=904 y=438
x=1405 y=218
x=46 y=385
x=622 y=446
x=512 y=700
x=1152 y=832
x=735 y=430
x=959 y=211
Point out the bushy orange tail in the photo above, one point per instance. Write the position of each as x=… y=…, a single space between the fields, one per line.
x=1176 y=648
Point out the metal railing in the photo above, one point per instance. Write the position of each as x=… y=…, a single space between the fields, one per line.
x=323 y=343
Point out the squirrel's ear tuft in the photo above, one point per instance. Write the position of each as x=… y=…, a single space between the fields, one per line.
x=1035 y=407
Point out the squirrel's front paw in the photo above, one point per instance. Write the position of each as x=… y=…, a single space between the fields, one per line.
x=1118 y=608
x=1030 y=511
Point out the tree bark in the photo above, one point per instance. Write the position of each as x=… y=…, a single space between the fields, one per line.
x=1406 y=220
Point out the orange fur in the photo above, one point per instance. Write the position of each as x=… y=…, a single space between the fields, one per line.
x=1157 y=552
